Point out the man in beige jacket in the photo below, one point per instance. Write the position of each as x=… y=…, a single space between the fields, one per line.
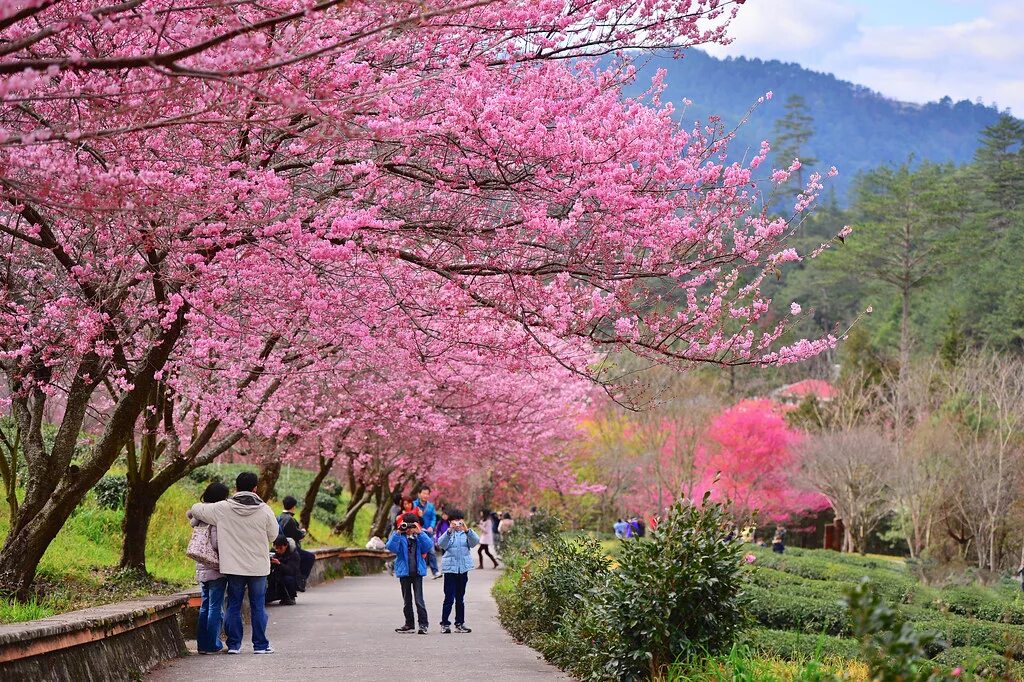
x=245 y=528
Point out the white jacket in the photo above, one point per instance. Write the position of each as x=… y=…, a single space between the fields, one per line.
x=245 y=528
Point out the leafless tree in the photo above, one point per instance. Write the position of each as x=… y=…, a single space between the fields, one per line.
x=851 y=467
x=985 y=397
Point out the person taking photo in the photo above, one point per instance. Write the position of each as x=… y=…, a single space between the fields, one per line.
x=457 y=561
x=409 y=543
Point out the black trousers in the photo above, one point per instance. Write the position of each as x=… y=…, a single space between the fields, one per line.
x=454 y=594
x=281 y=587
x=413 y=585
x=306 y=561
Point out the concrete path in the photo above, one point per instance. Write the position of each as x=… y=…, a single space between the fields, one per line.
x=344 y=630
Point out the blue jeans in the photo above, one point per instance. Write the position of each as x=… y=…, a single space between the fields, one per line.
x=257 y=587
x=432 y=561
x=211 y=615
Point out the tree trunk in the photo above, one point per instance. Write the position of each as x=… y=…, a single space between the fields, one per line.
x=383 y=516
x=139 y=507
x=347 y=524
x=270 y=471
x=309 y=501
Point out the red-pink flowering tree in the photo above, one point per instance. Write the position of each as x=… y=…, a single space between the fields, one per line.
x=474 y=183
x=751 y=456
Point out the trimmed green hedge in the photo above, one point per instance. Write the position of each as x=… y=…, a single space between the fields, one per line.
x=797 y=646
x=781 y=610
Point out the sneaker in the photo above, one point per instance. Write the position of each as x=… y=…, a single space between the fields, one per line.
x=268 y=650
x=445 y=630
x=287 y=602
x=209 y=653
x=438 y=575
x=461 y=628
x=234 y=651
x=422 y=630
x=302 y=585
x=405 y=628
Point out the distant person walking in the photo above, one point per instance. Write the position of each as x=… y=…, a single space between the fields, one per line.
x=457 y=543
x=212 y=583
x=245 y=528
x=486 y=539
x=409 y=542
x=426 y=508
x=292 y=529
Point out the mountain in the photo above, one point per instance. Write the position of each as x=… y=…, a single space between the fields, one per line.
x=855 y=128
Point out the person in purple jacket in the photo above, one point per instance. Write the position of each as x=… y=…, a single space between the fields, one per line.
x=212 y=585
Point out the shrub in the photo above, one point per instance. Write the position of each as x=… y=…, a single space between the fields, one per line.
x=326 y=502
x=980 y=603
x=798 y=646
x=200 y=475
x=111 y=491
x=673 y=596
x=331 y=486
x=325 y=517
x=553 y=586
x=977 y=660
x=958 y=631
x=521 y=542
x=781 y=610
x=895 y=650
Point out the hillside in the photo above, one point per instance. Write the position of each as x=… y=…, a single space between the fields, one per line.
x=855 y=128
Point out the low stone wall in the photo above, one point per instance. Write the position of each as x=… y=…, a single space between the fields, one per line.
x=123 y=641
x=104 y=643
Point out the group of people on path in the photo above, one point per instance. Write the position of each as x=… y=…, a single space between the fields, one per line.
x=230 y=540
x=633 y=527
x=420 y=534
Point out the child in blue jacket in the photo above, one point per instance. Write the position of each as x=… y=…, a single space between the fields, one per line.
x=409 y=543
x=456 y=563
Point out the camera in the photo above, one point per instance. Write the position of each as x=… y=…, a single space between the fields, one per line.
x=404 y=527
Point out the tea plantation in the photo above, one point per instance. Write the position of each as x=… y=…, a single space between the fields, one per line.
x=795 y=599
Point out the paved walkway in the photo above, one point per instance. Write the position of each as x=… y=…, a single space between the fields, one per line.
x=344 y=630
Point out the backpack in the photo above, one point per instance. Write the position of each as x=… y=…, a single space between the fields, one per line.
x=200 y=546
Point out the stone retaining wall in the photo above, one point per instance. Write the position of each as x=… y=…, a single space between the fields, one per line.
x=104 y=643
x=123 y=641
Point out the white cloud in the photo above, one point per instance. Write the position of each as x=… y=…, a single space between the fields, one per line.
x=980 y=57
x=786 y=28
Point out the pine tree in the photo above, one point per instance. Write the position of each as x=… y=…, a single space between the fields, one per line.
x=792 y=133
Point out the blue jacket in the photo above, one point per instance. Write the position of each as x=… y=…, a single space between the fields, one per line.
x=429 y=514
x=400 y=548
x=457 y=545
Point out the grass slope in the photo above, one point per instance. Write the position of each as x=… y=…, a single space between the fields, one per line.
x=79 y=567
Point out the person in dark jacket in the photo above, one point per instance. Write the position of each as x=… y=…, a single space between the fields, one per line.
x=283 y=582
x=410 y=543
x=291 y=528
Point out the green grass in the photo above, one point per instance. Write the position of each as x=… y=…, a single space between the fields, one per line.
x=79 y=567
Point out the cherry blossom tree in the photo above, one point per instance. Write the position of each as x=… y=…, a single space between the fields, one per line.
x=180 y=185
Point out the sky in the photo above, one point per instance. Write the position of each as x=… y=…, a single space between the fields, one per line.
x=911 y=50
